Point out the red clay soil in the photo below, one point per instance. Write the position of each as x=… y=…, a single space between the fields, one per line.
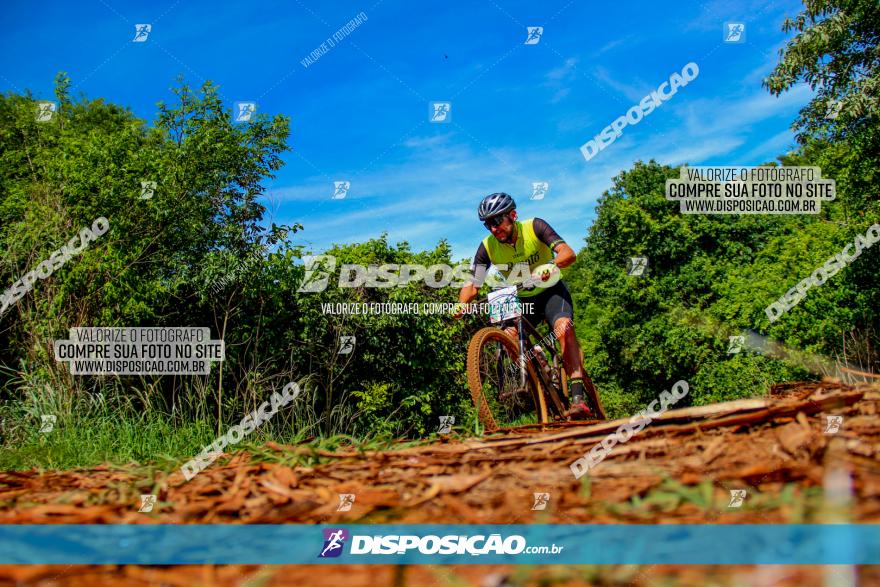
x=679 y=469
x=440 y=576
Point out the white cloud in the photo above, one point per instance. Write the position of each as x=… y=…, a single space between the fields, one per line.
x=560 y=80
x=717 y=116
x=565 y=71
x=432 y=189
x=714 y=13
x=582 y=123
x=627 y=40
x=770 y=149
x=757 y=75
x=633 y=93
x=427 y=142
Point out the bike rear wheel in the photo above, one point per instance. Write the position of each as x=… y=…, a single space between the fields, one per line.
x=494 y=378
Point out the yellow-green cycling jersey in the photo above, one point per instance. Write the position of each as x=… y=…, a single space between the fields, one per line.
x=533 y=247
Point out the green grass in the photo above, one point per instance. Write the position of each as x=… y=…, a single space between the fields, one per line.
x=89 y=434
x=798 y=504
x=121 y=426
x=86 y=442
x=79 y=442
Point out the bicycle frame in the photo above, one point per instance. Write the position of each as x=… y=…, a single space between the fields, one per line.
x=551 y=394
x=556 y=395
x=524 y=328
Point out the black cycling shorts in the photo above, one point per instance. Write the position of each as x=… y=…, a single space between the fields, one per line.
x=551 y=304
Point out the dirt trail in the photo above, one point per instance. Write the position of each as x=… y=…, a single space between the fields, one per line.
x=679 y=469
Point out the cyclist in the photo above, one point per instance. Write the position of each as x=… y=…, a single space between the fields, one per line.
x=533 y=243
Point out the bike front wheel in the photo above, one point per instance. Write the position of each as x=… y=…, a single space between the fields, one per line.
x=494 y=380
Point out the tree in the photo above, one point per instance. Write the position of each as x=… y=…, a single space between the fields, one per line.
x=88 y=161
x=836 y=51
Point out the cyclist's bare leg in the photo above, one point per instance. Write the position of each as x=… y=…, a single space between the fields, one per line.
x=579 y=383
x=571 y=350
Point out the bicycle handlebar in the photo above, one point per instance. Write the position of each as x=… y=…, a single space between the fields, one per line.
x=527 y=286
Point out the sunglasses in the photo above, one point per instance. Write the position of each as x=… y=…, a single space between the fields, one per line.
x=493 y=222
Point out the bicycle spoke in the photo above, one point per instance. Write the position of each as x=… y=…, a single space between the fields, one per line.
x=501 y=381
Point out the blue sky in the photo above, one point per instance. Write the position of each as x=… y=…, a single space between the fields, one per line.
x=360 y=112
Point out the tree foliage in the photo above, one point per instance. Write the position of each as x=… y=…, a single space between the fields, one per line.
x=197 y=253
x=836 y=50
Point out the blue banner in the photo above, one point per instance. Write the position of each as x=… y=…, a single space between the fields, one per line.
x=802 y=544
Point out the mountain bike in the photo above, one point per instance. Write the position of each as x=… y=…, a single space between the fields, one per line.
x=510 y=388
